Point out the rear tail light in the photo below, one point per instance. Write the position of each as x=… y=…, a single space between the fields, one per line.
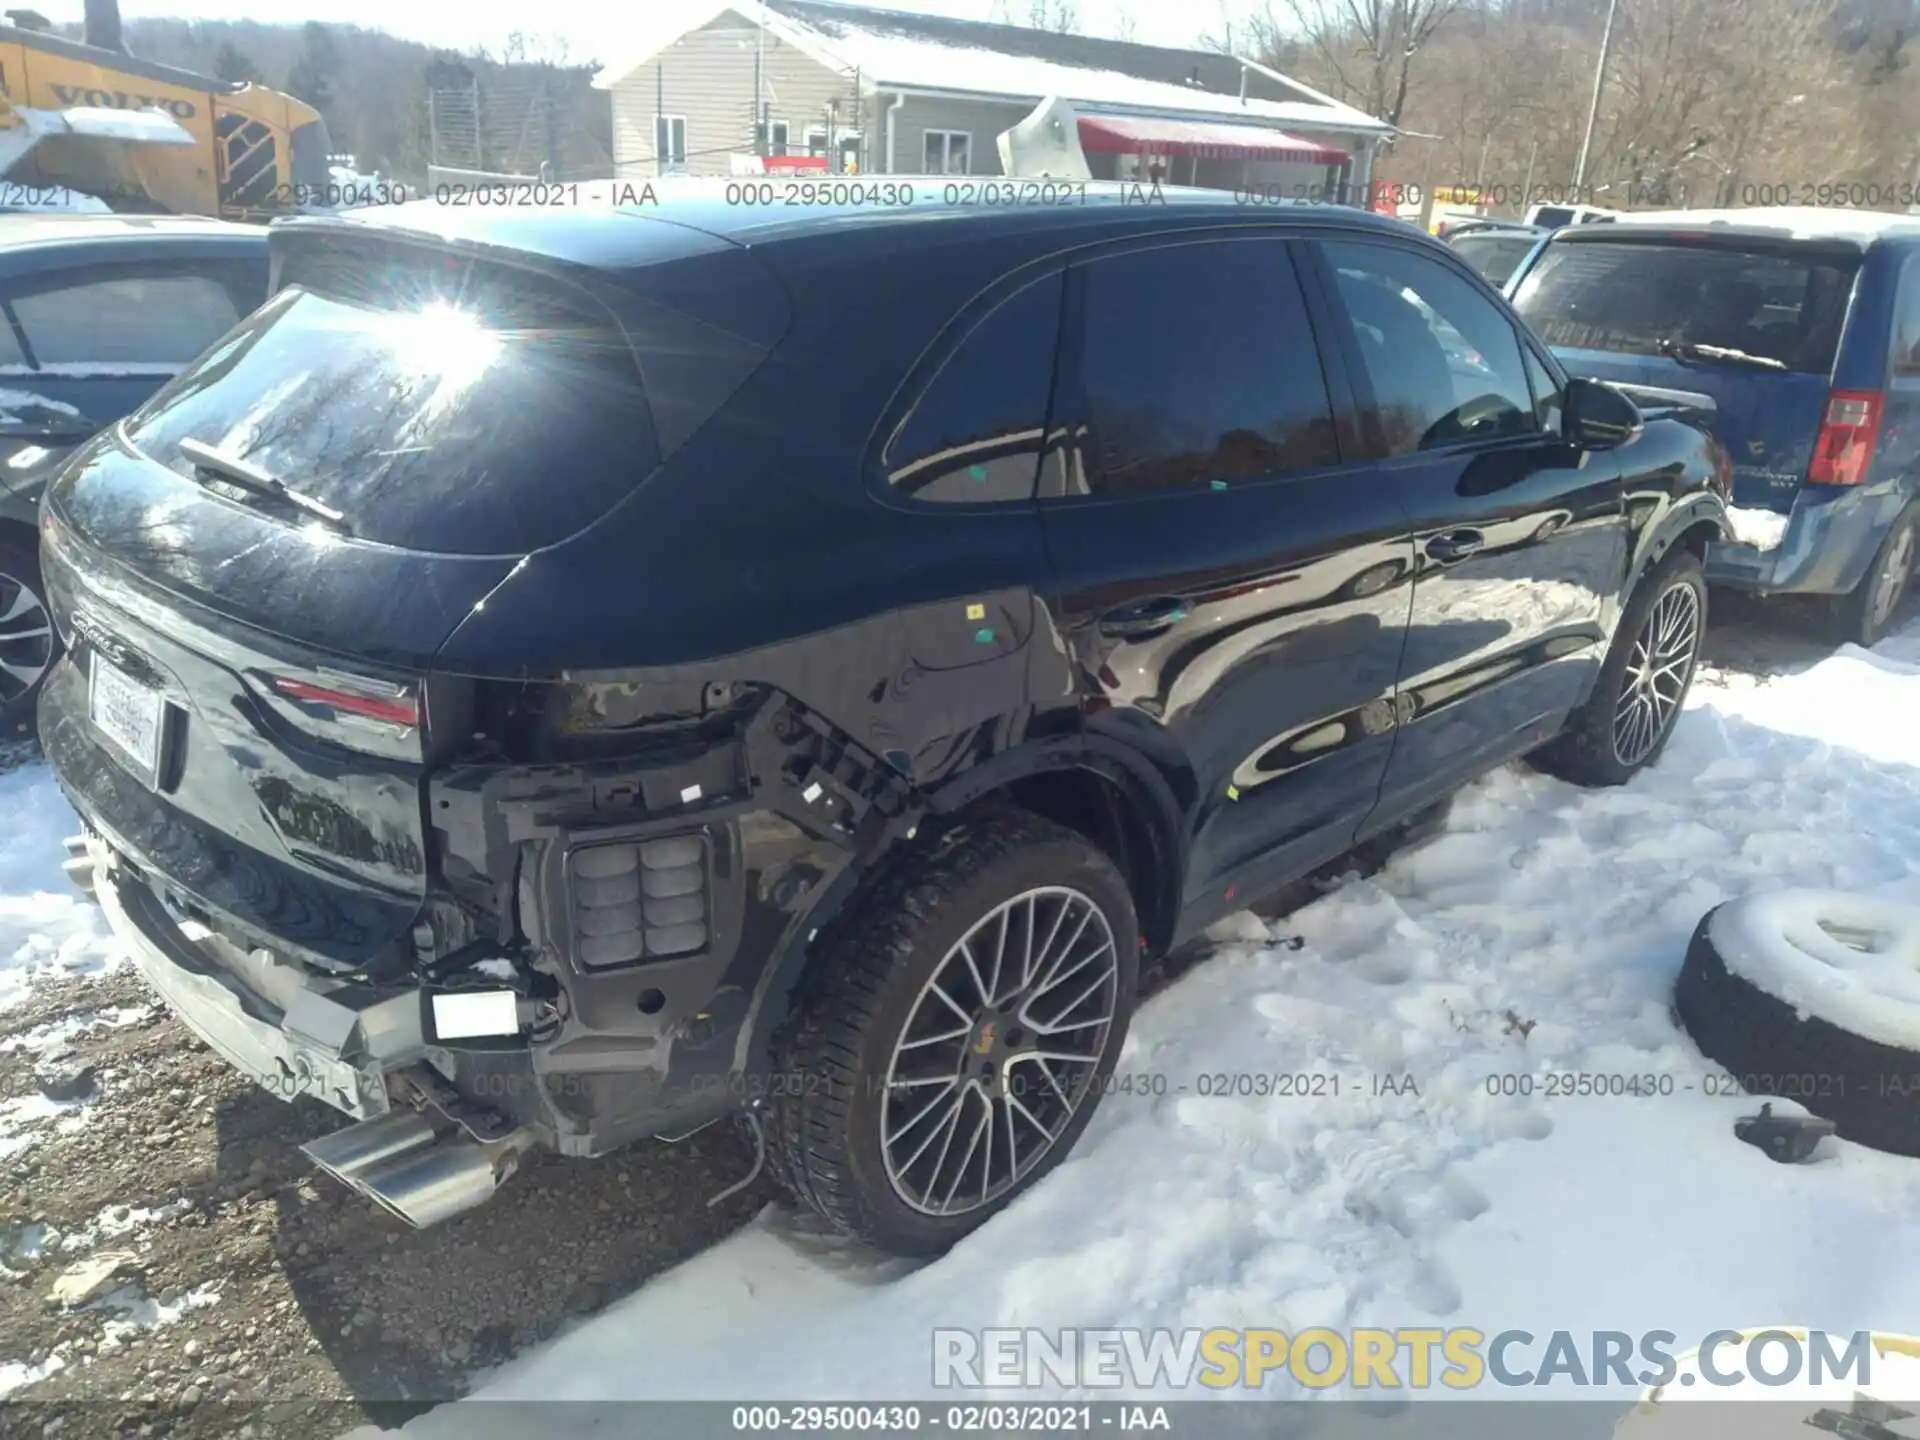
x=1844 y=448
x=395 y=705
x=644 y=900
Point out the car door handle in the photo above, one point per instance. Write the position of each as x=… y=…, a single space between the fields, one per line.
x=1144 y=618
x=1454 y=545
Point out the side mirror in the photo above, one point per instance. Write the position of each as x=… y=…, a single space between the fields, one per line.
x=1595 y=416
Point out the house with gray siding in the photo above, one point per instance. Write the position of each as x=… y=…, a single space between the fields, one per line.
x=875 y=91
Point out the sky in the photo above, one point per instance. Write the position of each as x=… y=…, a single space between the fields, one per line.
x=594 y=29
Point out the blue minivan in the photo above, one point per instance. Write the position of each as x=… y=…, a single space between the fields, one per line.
x=1804 y=326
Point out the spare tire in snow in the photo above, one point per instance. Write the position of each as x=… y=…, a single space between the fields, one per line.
x=1814 y=996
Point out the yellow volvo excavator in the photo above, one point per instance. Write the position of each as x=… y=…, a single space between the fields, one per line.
x=143 y=136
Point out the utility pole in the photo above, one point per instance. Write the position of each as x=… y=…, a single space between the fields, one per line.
x=1593 y=111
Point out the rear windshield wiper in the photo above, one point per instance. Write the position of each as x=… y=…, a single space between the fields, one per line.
x=1669 y=346
x=251 y=477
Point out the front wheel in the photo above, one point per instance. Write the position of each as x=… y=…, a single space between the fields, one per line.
x=952 y=1052
x=1628 y=719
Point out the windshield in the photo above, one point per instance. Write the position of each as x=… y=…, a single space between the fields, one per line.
x=1651 y=298
x=1495 y=256
x=433 y=426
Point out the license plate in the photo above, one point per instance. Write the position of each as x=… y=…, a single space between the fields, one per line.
x=127 y=713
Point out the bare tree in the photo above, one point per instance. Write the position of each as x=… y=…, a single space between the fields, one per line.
x=1125 y=27
x=1368 y=47
x=1060 y=16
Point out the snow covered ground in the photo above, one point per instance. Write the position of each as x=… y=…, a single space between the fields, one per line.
x=1539 y=933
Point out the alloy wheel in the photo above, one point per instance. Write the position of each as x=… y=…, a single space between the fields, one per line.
x=1891 y=583
x=26 y=638
x=999 y=1051
x=1658 y=668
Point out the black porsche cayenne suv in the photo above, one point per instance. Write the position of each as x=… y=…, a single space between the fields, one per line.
x=549 y=679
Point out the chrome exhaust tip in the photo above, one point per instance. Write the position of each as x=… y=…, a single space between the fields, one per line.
x=400 y=1163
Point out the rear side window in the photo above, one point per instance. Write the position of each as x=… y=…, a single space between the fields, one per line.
x=469 y=423
x=976 y=432
x=1647 y=298
x=1906 y=322
x=138 y=318
x=1199 y=368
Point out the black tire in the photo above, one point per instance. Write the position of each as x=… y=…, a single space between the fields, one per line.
x=833 y=1064
x=1865 y=614
x=1589 y=750
x=23 y=602
x=1870 y=1091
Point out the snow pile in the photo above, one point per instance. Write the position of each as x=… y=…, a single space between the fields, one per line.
x=47 y=928
x=17 y=1374
x=56 y=1035
x=132 y=1311
x=1534 y=940
x=24 y=1120
x=1762 y=529
x=1851 y=959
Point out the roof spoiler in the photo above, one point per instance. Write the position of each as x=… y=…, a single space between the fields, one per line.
x=1657 y=403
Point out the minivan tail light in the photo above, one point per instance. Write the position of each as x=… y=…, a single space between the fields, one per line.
x=402 y=709
x=1844 y=448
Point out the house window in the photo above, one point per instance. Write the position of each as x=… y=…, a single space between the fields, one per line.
x=770 y=138
x=816 y=140
x=947 y=152
x=670 y=141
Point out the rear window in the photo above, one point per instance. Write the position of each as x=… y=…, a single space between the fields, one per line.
x=1631 y=297
x=1495 y=256
x=457 y=421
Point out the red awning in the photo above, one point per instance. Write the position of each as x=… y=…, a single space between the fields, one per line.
x=1202 y=139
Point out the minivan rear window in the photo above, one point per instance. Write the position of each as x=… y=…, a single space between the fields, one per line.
x=1640 y=297
x=444 y=424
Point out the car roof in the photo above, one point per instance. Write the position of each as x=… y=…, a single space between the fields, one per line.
x=622 y=232
x=1770 y=222
x=57 y=227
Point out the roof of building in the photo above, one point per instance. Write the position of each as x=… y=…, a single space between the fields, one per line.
x=1793 y=222
x=890 y=49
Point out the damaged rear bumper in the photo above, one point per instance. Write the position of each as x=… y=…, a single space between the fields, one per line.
x=294 y=1035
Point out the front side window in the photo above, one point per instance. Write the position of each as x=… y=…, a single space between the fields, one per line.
x=1199 y=370
x=139 y=318
x=1442 y=360
x=976 y=432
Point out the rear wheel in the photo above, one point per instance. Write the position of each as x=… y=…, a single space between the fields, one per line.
x=953 y=1051
x=1643 y=684
x=28 y=644
x=1865 y=614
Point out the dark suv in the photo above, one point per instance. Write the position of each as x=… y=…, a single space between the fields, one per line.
x=1804 y=326
x=554 y=679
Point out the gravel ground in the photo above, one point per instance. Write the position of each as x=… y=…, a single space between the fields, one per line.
x=255 y=1295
